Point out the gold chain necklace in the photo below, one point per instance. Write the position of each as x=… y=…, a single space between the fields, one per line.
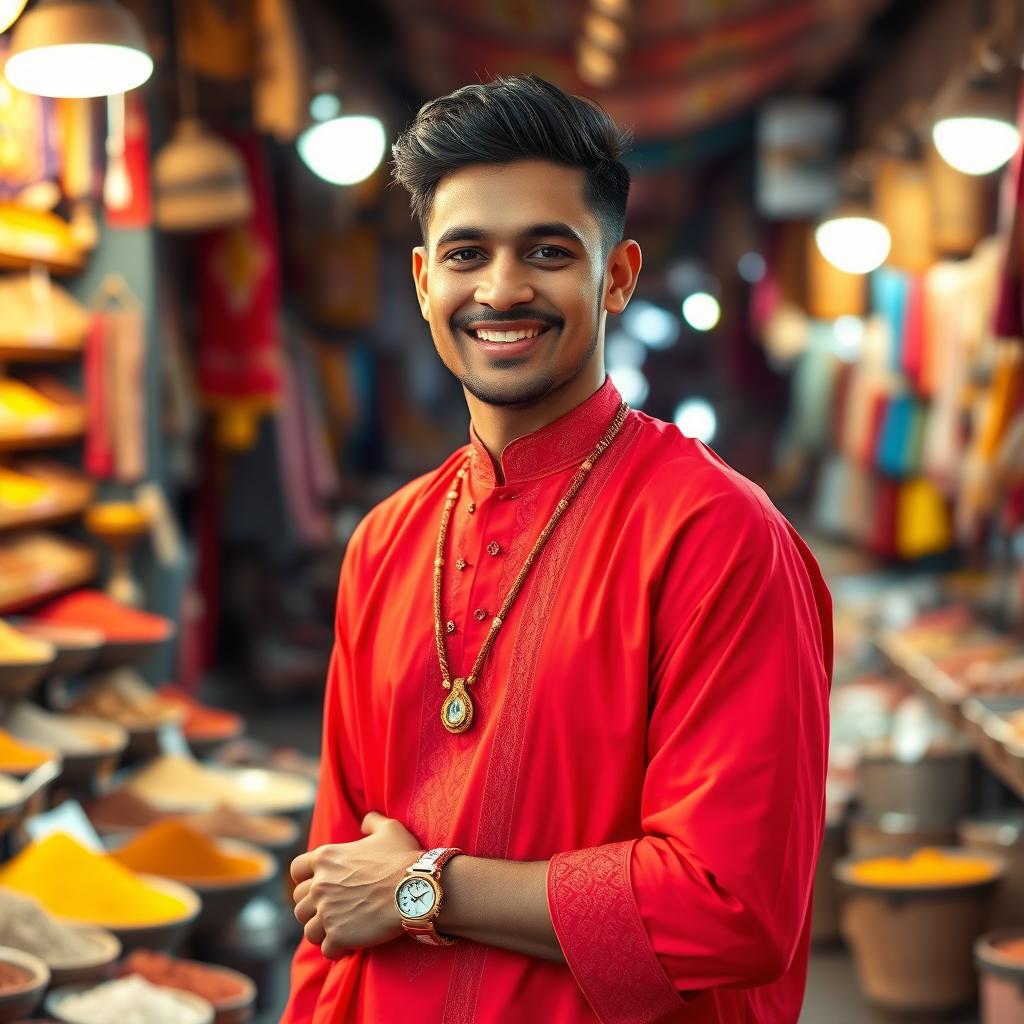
x=457 y=709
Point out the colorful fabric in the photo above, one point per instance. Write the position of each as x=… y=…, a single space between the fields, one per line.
x=239 y=358
x=890 y=293
x=653 y=720
x=133 y=207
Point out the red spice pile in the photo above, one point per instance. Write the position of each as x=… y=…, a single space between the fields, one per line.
x=215 y=984
x=117 y=622
x=13 y=977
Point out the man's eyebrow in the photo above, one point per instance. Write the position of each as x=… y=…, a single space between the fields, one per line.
x=550 y=229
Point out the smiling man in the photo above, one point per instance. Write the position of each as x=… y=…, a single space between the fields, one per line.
x=575 y=725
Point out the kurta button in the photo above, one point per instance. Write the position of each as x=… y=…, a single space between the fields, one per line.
x=460 y=564
x=471 y=507
x=494 y=548
x=480 y=614
x=450 y=626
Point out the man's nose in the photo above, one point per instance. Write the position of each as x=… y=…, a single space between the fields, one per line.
x=504 y=282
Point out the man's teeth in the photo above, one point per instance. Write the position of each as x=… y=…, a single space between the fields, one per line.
x=509 y=335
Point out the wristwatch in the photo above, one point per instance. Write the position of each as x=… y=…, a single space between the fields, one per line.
x=419 y=896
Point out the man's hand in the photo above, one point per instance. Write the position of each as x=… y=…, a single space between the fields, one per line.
x=344 y=893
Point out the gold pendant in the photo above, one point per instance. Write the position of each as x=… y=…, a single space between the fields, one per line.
x=457 y=709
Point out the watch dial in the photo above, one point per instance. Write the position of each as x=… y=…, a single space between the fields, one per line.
x=416 y=897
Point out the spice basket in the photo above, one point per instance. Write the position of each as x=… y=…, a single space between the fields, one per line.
x=203 y=1011
x=128 y=654
x=913 y=944
x=76 y=647
x=825 y=905
x=17 y=680
x=94 y=968
x=935 y=789
x=80 y=769
x=1002 y=978
x=165 y=936
x=12 y=803
x=895 y=832
x=17 y=1003
x=1004 y=837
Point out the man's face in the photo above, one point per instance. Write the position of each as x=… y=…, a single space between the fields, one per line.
x=512 y=280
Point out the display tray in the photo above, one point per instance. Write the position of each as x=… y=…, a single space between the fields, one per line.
x=921 y=670
x=18 y=593
x=61 y=427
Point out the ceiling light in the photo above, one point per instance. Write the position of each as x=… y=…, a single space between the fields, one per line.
x=631 y=384
x=853 y=240
x=654 y=326
x=199 y=181
x=977 y=132
x=696 y=418
x=602 y=31
x=9 y=11
x=344 y=150
x=848 y=338
x=595 y=66
x=752 y=267
x=78 y=48
x=701 y=311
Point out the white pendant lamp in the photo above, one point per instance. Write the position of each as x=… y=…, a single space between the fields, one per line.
x=853 y=240
x=9 y=11
x=78 y=48
x=978 y=133
x=344 y=150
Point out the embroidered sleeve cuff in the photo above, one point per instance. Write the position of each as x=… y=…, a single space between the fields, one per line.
x=602 y=936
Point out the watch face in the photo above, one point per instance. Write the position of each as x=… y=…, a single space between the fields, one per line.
x=416 y=897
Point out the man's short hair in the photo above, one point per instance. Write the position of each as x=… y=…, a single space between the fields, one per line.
x=510 y=119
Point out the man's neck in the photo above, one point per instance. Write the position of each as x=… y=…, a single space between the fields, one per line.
x=496 y=426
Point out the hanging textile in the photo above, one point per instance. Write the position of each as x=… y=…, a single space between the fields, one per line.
x=219 y=38
x=903 y=204
x=1009 y=313
x=281 y=96
x=913 y=355
x=890 y=291
x=239 y=359
x=898 y=440
x=129 y=203
x=28 y=152
x=115 y=386
x=922 y=522
x=812 y=390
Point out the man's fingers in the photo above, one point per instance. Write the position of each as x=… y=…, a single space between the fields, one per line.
x=302 y=891
x=305 y=910
x=314 y=931
x=302 y=867
x=332 y=949
x=373 y=822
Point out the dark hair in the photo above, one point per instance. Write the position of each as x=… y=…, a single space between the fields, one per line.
x=509 y=119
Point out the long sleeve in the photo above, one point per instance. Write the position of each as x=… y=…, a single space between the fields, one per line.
x=716 y=891
x=337 y=815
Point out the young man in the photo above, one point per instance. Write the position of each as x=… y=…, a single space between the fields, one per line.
x=583 y=651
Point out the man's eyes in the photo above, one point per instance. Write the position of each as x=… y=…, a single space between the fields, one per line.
x=544 y=252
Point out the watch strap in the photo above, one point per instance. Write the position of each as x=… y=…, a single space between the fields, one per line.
x=430 y=863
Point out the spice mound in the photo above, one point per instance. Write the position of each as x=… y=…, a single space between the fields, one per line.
x=1012 y=949
x=30 y=724
x=202 y=722
x=75 y=883
x=132 y=1001
x=214 y=984
x=924 y=867
x=25 y=925
x=174 y=850
x=10 y=792
x=13 y=977
x=117 y=622
x=173 y=781
x=18 y=649
x=17 y=758
x=123 y=698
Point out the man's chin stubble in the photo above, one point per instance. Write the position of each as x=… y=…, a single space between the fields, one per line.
x=512 y=396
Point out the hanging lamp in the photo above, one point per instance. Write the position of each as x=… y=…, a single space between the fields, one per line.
x=9 y=11
x=977 y=132
x=78 y=49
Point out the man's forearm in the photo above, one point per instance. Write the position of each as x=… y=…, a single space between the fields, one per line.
x=499 y=903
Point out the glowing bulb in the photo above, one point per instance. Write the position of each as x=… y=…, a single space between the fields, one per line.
x=344 y=150
x=856 y=245
x=701 y=311
x=696 y=418
x=324 y=106
x=79 y=70
x=654 y=326
x=752 y=267
x=631 y=383
x=975 y=145
x=622 y=350
x=9 y=11
x=848 y=338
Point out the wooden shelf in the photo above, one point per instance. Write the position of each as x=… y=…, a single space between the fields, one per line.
x=61 y=428
x=43 y=352
x=50 y=515
x=1003 y=758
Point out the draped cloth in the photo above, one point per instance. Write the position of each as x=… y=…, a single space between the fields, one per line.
x=652 y=721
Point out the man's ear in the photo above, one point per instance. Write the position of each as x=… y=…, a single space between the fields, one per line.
x=419 y=278
x=624 y=263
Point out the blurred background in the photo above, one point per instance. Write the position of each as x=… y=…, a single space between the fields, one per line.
x=212 y=365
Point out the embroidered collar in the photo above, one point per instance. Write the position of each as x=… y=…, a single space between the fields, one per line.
x=561 y=444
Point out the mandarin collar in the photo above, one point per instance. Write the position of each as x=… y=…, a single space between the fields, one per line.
x=565 y=442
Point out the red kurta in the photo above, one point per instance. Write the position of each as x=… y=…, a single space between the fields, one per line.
x=652 y=718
